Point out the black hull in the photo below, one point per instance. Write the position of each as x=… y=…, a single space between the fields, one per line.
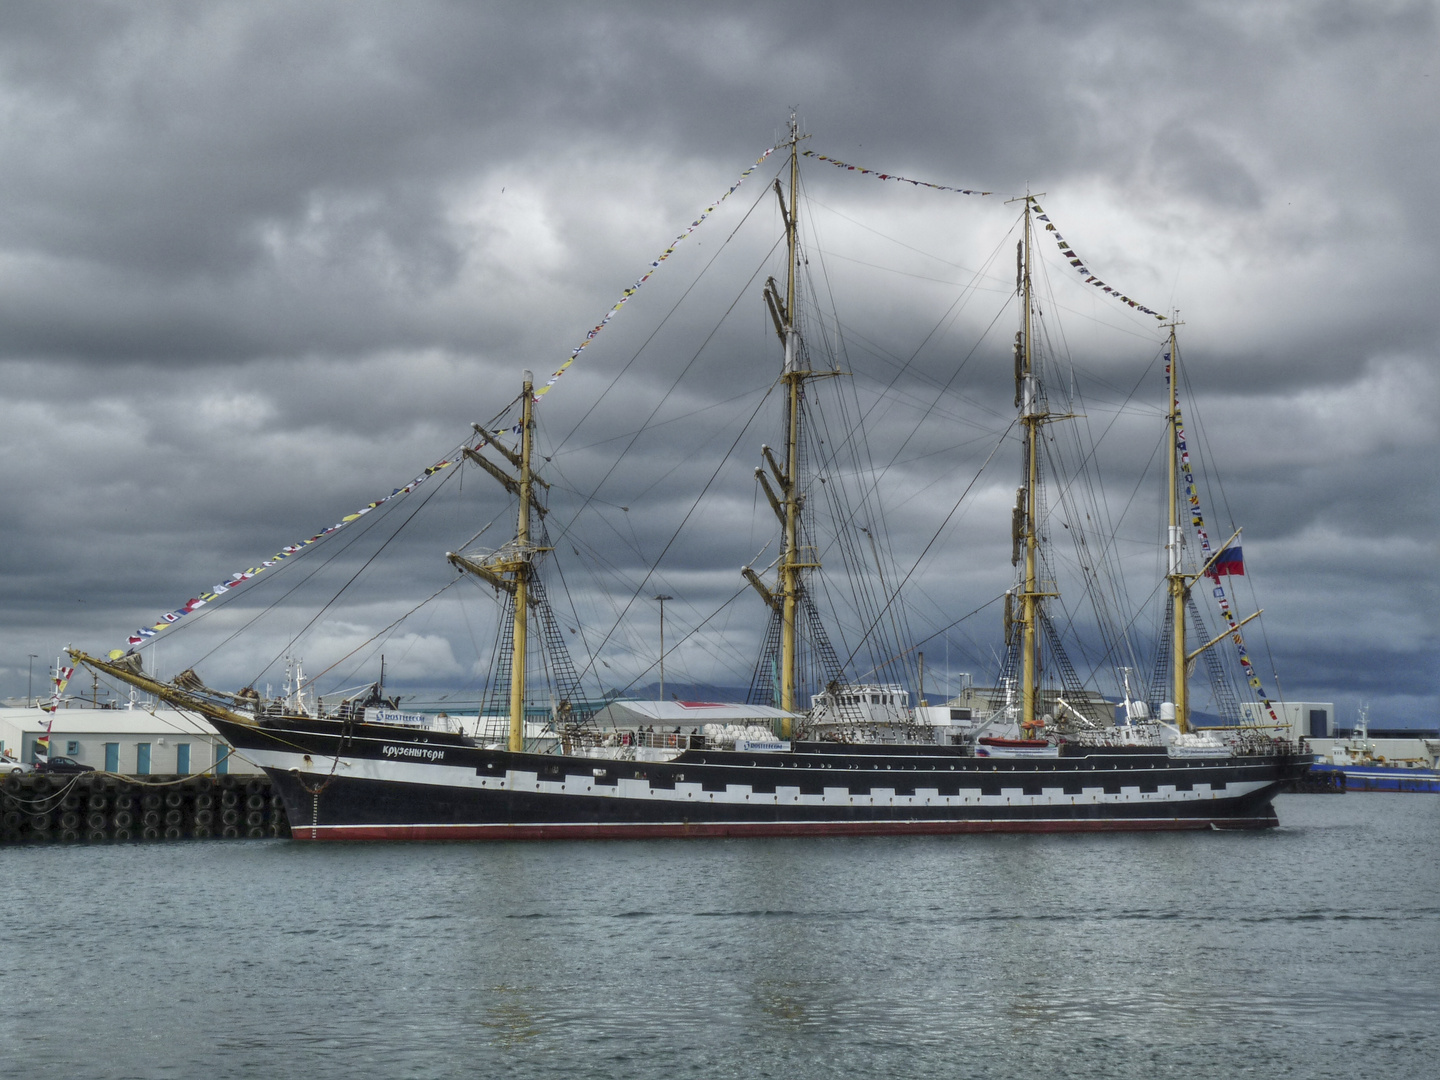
x=374 y=782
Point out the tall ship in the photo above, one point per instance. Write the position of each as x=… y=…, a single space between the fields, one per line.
x=818 y=749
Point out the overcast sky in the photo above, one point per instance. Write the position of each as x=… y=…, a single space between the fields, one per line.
x=260 y=263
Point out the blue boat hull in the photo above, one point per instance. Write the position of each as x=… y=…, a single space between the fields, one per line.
x=1384 y=778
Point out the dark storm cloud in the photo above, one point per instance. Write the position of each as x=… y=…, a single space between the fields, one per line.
x=257 y=265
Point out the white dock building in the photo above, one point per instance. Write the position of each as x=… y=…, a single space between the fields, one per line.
x=133 y=742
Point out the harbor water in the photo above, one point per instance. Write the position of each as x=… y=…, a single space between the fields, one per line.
x=1312 y=950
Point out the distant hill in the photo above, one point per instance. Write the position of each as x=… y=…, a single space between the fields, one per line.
x=682 y=691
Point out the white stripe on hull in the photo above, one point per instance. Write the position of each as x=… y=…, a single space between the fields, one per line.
x=631 y=789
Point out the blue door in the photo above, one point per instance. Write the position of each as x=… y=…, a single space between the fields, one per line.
x=182 y=758
x=112 y=757
x=142 y=759
x=222 y=755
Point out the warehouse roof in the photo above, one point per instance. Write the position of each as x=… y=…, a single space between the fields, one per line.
x=107 y=722
x=688 y=712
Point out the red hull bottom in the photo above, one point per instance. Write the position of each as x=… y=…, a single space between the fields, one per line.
x=761 y=829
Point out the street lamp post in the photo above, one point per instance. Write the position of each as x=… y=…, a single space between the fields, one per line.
x=662 y=598
x=30 y=679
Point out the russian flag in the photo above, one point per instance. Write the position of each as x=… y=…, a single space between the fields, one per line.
x=1228 y=562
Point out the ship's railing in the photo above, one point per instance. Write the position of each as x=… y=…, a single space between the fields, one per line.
x=657 y=740
x=667 y=740
x=1241 y=742
x=1252 y=743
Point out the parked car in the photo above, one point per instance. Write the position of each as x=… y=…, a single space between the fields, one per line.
x=64 y=765
x=9 y=765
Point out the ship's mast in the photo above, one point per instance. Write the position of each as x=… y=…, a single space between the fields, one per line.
x=512 y=567
x=788 y=501
x=522 y=572
x=1033 y=415
x=1179 y=582
x=790 y=564
x=1178 y=585
x=1030 y=418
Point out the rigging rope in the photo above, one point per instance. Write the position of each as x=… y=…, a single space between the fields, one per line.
x=141 y=636
x=1197 y=519
x=353 y=577
x=654 y=265
x=1079 y=265
x=1066 y=250
x=921 y=558
x=889 y=176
